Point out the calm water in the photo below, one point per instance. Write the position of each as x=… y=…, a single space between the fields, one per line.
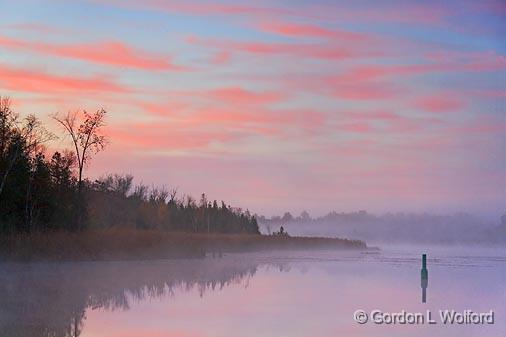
x=269 y=294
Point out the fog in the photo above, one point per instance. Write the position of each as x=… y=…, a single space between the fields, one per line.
x=459 y=228
x=283 y=293
x=50 y=299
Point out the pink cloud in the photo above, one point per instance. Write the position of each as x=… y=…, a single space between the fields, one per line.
x=34 y=27
x=238 y=95
x=440 y=102
x=310 y=30
x=429 y=14
x=372 y=72
x=413 y=125
x=439 y=62
x=352 y=148
x=380 y=82
x=221 y=57
x=365 y=91
x=482 y=125
x=300 y=50
x=202 y=8
x=373 y=115
x=159 y=109
x=341 y=87
x=199 y=128
x=258 y=121
x=361 y=127
x=303 y=50
x=384 y=116
x=165 y=136
x=469 y=61
x=110 y=53
x=238 y=119
x=384 y=122
x=41 y=82
x=487 y=93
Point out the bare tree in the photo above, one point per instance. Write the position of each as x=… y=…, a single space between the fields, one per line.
x=85 y=131
x=172 y=195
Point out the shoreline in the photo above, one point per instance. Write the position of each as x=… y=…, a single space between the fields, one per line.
x=132 y=244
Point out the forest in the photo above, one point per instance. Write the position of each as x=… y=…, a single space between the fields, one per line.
x=42 y=191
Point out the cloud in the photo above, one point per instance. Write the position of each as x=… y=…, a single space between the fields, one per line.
x=34 y=27
x=441 y=62
x=378 y=115
x=221 y=57
x=440 y=102
x=165 y=136
x=330 y=52
x=199 y=128
x=383 y=123
x=113 y=53
x=481 y=125
x=26 y=80
x=272 y=121
x=202 y=8
x=344 y=88
x=487 y=93
x=427 y=14
x=363 y=91
x=361 y=127
x=311 y=30
x=472 y=61
x=238 y=95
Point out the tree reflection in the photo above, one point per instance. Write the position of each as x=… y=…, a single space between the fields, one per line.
x=50 y=299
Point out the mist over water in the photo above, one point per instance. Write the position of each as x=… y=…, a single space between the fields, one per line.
x=398 y=228
x=302 y=293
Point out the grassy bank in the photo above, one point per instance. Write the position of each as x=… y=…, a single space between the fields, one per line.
x=149 y=244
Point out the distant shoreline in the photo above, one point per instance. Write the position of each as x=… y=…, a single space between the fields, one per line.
x=132 y=244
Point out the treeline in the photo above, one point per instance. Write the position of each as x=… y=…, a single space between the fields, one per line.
x=41 y=192
x=392 y=227
x=114 y=200
x=364 y=216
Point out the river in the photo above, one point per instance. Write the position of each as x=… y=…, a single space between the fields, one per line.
x=276 y=294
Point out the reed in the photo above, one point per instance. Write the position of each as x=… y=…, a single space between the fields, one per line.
x=125 y=244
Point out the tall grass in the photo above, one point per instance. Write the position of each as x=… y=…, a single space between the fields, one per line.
x=121 y=244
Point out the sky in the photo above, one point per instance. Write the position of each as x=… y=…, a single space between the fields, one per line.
x=278 y=105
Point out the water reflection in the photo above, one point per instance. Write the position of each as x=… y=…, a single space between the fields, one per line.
x=315 y=295
x=50 y=299
x=424 y=278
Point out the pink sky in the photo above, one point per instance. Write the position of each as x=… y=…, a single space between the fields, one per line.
x=279 y=105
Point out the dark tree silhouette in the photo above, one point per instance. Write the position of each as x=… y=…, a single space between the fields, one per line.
x=18 y=138
x=40 y=194
x=85 y=132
